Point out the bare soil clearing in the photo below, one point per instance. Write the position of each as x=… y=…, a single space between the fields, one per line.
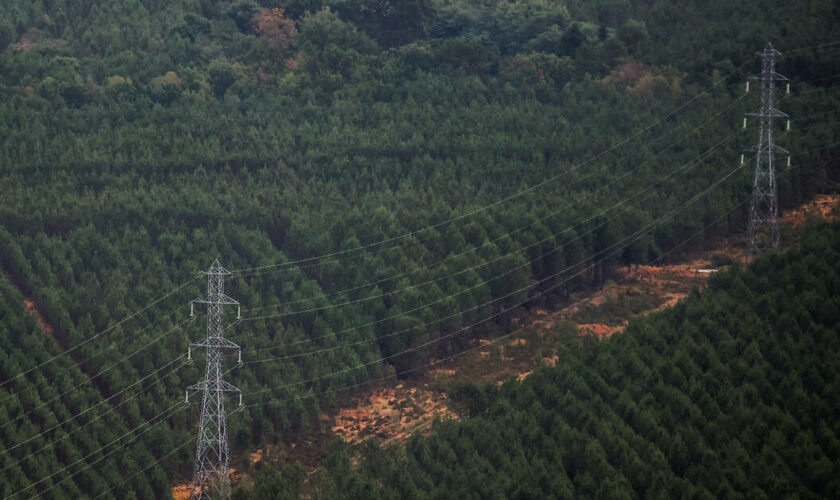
x=393 y=414
x=823 y=205
x=181 y=492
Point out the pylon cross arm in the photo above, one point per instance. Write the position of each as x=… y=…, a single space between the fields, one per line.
x=219 y=386
x=773 y=112
x=212 y=464
x=774 y=147
x=216 y=298
x=764 y=207
x=770 y=76
x=220 y=342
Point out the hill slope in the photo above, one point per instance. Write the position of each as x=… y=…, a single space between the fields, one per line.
x=729 y=394
x=139 y=140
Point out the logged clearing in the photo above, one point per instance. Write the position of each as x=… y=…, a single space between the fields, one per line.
x=392 y=414
x=823 y=205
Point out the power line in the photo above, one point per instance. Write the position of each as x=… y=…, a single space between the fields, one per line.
x=811 y=82
x=287 y=263
x=403 y=313
x=503 y=236
x=144 y=469
x=448 y=358
x=108 y=411
x=159 y=418
x=393 y=333
x=399 y=353
x=409 y=287
x=103 y=332
x=542 y=292
x=499 y=338
x=823 y=148
x=812 y=47
x=794 y=120
x=498 y=202
x=522 y=192
x=818 y=89
x=91 y=379
x=314 y=352
x=461 y=353
x=77 y=415
x=336 y=305
x=38 y=382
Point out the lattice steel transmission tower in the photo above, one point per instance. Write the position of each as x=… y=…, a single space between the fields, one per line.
x=212 y=463
x=763 y=229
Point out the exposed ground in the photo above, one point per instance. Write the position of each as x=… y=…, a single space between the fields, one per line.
x=42 y=323
x=393 y=413
x=181 y=492
x=29 y=304
x=823 y=205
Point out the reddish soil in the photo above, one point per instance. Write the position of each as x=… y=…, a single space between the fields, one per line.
x=42 y=324
x=29 y=304
x=392 y=414
x=823 y=205
x=671 y=282
x=599 y=329
x=551 y=361
x=181 y=492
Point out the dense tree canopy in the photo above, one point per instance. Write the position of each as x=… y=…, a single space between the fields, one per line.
x=729 y=394
x=142 y=139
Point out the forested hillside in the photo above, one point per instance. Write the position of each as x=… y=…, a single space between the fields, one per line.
x=731 y=394
x=390 y=177
x=25 y=344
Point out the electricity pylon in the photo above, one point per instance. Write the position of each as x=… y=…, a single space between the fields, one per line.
x=212 y=463
x=763 y=229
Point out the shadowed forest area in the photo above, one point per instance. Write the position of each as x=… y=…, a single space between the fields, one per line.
x=390 y=180
x=728 y=394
